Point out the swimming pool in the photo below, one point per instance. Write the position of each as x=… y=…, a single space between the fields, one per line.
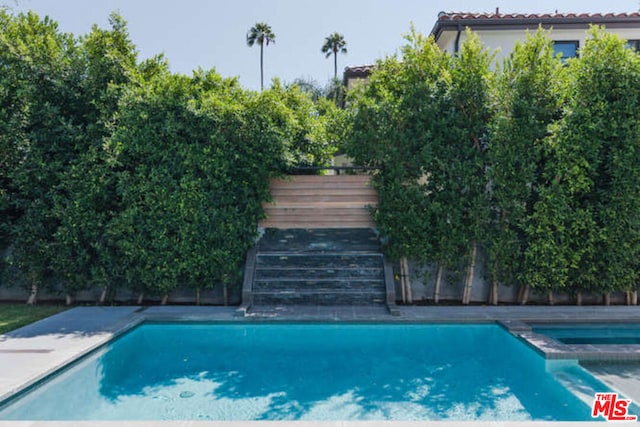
x=309 y=372
x=591 y=333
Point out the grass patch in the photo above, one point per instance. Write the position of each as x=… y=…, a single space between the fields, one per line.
x=14 y=316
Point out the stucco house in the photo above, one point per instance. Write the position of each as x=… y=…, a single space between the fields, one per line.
x=354 y=75
x=499 y=32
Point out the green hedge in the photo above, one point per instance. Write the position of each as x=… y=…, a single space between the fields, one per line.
x=536 y=162
x=120 y=174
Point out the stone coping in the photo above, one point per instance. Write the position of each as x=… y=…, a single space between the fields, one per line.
x=554 y=349
x=290 y=423
x=28 y=355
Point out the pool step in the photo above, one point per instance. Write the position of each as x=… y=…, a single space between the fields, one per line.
x=318 y=267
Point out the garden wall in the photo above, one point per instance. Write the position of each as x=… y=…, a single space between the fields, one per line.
x=422 y=281
x=181 y=295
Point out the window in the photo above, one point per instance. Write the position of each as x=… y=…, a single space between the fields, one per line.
x=633 y=44
x=566 y=49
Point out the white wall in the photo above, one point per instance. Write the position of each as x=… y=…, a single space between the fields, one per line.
x=503 y=41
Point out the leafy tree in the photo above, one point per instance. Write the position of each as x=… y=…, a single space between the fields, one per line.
x=397 y=120
x=89 y=200
x=422 y=120
x=60 y=194
x=192 y=158
x=459 y=172
x=336 y=123
x=310 y=87
x=528 y=100
x=303 y=130
x=41 y=78
x=334 y=91
x=261 y=34
x=334 y=44
x=585 y=231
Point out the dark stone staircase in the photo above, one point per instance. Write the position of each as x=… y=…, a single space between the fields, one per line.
x=317 y=267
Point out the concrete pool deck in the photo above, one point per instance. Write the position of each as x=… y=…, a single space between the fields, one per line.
x=29 y=354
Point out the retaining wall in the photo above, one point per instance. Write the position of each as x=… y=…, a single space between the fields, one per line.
x=423 y=283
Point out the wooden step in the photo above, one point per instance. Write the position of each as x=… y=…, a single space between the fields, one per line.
x=318 y=210
x=333 y=200
x=324 y=178
x=329 y=201
x=314 y=205
x=324 y=185
x=297 y=191
x=268 y=223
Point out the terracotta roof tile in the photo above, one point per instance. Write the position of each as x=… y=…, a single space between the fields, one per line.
x=531 y=20
x=359 y=69
x=357 y=72
x=455 y=16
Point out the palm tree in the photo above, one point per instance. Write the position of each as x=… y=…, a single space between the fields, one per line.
x=261 y=34
x=332 y=45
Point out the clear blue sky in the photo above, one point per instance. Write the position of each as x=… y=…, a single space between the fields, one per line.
x=212 y=33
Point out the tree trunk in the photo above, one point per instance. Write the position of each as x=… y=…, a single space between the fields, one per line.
x=634 y=298
x=335 y=66
x=524 y=294
x=436 y=288
x=550 y=297
x=225 y=294
x=103 y=295
x=165 y=298
x=261 y=67
x=466 y=293
x=140 y=298
x=403 y=290
x=579 y=298
x=406 y=279
x=607 y=298
x=33 y=295
x=68 y=299
x=493 y=293
x=198 y=296
x=628 y=297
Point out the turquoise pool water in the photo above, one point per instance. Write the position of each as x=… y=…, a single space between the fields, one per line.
x=592 y=333
x=306 y=372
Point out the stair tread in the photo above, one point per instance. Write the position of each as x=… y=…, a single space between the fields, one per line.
x=319 y=269
x=322 y=178
x=355 y=196
x=320 y=282
x=324 y=252
x=316 y=205
x=338 y=214
x=327 y=189
x=317 y=213
x=308 y=224
x=321 y=201
x=305 y=292
x=318 y=300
